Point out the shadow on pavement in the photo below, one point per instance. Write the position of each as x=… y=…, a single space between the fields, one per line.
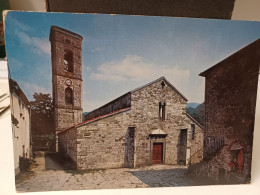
x=54 y=161
x=163 y=178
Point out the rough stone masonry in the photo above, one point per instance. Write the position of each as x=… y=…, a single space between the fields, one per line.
x=148 y=125
x=104 y=141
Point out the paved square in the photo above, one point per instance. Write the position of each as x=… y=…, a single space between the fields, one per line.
x=150 y=176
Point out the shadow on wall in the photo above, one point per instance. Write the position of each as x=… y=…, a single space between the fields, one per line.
x=201 y=174
x=182 y=147
x=129 y=147
x=163 y=178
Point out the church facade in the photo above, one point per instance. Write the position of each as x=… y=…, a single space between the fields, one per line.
x=148 y=125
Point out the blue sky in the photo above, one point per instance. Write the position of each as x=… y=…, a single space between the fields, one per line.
x=120 y=53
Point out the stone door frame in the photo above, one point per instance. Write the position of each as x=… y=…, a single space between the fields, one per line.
x=158 y=139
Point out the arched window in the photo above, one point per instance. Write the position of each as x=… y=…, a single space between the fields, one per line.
x=192 y=131
x=68 y=96
x=67 y=41
x=162 y=108
x=68 y=60
x=163 y=111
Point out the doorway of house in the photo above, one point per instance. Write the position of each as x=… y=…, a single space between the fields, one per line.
x=157 y=153
x=182 y=147
x=237 y=160
x=237 y=150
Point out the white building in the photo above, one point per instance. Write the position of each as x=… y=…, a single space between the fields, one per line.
x=20 y=125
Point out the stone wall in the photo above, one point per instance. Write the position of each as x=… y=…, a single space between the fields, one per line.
x=67 y=144
x=67 y=118
x=66 y=115
x=216 y=170
x=102 y=143
x=76 y=86
x=230 y=101
x=145 y=116
x=196 y=144
x=62 y=39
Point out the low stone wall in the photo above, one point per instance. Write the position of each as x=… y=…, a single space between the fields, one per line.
x=67 y=144
x=218 y=170
x=101 y=144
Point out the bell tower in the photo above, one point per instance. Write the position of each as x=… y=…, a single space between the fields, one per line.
x=66 y=77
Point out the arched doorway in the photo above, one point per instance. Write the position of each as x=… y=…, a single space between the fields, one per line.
x=237 y=150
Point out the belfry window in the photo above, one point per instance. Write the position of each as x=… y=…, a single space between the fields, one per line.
x=68 y=96
x=67 y=41
x=162 y=109
x=68 y=60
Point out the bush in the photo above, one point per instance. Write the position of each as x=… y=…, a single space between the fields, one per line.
x=24 y=164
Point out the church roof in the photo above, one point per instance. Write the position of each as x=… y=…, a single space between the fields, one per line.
x=15 y=88
x=122 y=109
x=194 y=120
x=137 y=89
x=157 y=80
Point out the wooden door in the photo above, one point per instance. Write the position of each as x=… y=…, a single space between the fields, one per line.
x=157 y=153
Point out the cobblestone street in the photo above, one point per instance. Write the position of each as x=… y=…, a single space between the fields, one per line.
x=151 y=176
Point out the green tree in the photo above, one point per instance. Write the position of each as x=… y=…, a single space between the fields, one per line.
x=42 y=121
x=197 y=113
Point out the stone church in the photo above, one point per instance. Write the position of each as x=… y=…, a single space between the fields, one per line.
x=148 y=125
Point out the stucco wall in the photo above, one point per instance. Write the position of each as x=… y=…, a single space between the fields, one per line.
x=21 y=132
